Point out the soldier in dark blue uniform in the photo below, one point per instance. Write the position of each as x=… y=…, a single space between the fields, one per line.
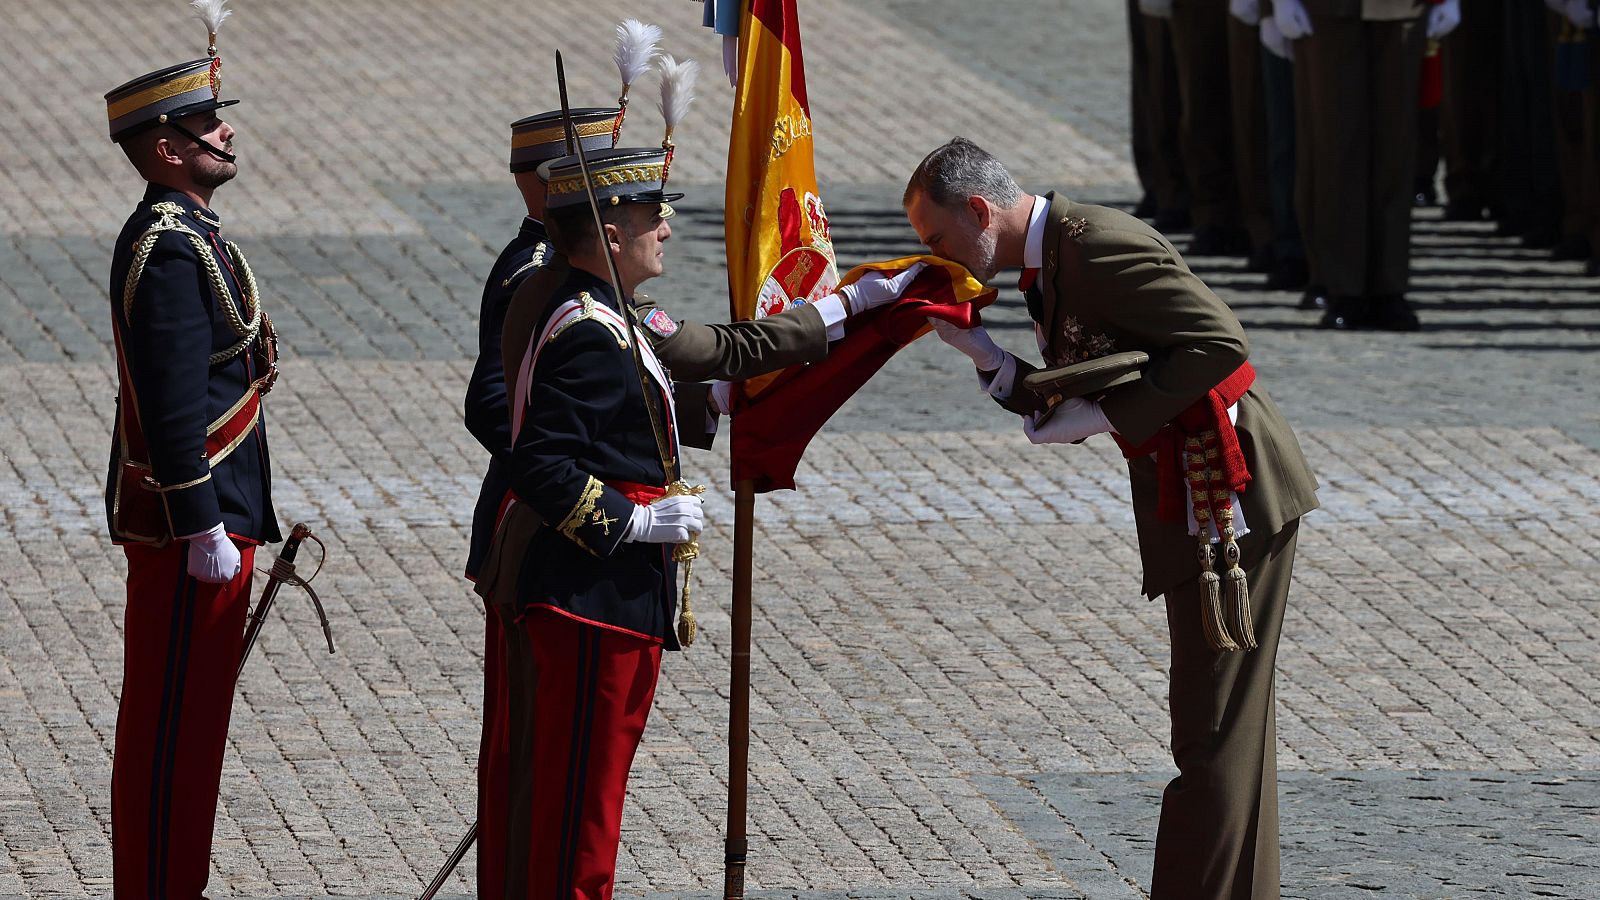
x=582 y=561
x=189 y=491
x=534 y=140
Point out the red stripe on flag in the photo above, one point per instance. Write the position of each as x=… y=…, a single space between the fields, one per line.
x=772 y=433
x=783 y=20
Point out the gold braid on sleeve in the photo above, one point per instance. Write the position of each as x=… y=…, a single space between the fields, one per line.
x=579 y=516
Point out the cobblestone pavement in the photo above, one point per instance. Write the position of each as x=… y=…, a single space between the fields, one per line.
x=957 y=692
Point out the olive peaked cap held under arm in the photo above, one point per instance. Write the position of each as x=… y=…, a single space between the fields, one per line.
x=960 y=169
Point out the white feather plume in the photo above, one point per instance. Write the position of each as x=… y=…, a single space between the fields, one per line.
x=636 y=46
x=677 y=87
x=212 y=12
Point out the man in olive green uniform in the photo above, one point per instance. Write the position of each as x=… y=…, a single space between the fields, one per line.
x=1098 y=281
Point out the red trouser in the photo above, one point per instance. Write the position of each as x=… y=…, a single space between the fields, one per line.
x=181 y=644
x=494 y=761
x=590 y=701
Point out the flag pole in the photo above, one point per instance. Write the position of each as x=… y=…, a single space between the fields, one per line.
x=737 y=846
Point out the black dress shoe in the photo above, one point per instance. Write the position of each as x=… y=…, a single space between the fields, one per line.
x=1347 y=314
x=1463 y=211
x=1212 y=240
x=1573 y=247
x=1541 y=238
x=1146 y=208
x=1172 y=220
x=1262 y=260
x=1314 y=298
x=1393 y=312
x=1289 y=275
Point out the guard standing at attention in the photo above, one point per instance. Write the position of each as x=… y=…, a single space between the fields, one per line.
x=534 y=140
x=189 y=491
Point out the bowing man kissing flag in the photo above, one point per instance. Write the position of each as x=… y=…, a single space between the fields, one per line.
x=780 y=255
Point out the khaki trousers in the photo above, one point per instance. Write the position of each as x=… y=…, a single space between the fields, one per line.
x=1356 y=93
x=1249 y=107
x=1219 y=818
x=1469 y=111
x=1158 y=109
x=1200 y=43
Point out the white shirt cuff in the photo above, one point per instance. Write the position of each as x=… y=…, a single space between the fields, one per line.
x=999 y=384
x=833 y=315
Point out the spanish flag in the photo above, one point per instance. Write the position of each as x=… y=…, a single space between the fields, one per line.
x=780 y=255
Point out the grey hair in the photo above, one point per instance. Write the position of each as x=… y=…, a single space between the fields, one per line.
x=960 y=169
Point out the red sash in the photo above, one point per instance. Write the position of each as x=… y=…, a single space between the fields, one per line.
x=1209 y=413
x=640 y=494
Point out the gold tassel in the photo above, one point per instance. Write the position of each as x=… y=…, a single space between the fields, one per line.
x=686 y=553
x=1211 y=618
x=1212 y=621
x=1238 y=583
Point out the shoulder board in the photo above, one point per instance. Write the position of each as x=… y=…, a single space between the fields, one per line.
x=583 y=308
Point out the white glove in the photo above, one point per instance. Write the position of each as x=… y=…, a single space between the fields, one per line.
x=1443 y=19
x=722 y=397
x=1161 y=9
x=875 y=289
x=1578 y=13
x=1074 y=420
x=670 y=520
x=1292 y=18
x=1246 y=11
x=974 y=342
x=212 y=556
x=1274 y=41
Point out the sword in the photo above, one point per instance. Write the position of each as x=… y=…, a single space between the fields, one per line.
x=450 y=864
x=282 y=572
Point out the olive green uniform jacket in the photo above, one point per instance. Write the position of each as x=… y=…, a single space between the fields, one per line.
x=1110 y=283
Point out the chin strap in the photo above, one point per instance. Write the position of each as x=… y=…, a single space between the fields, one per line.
x=210 y=148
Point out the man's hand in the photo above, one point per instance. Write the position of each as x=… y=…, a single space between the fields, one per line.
x=1161 y=9
x=974 y=342
x=722 y=397
x=874 y=289
x=1274 y=41
x=1443 y=19
x=670 y=520
x=1074 y=420
x=212 y=556
x=1246 y=11
x=1292 y=19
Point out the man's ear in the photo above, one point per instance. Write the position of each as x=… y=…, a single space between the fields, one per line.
x=614 y=237
x=165 y=152
x=981 y=210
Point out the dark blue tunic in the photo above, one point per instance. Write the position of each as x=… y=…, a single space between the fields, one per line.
x=170 y=392
x=585 y=430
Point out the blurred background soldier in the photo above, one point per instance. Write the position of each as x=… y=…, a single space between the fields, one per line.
x=1357 y=64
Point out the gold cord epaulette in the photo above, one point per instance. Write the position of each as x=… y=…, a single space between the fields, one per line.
x=588 y=312
x=540 y=251
x=581 y=511
x=171 y=220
